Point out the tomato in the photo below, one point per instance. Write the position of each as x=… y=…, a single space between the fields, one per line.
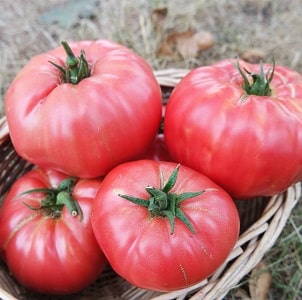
x=157 y=150
x=163 y=226
x=50 y=247
x=241 y=126
x=78 y=117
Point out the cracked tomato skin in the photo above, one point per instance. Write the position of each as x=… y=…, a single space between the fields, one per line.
x=141 y=248
x=249 y=145
x=45 y=254
x=84 y=129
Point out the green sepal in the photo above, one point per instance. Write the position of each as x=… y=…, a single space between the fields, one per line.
x=138 y=201
x=67 y=184
x=181 y=216
x=260 y=85
x=160 y=196
x=56 y=198
x=76 y=68
x=171 y=218
x=163 y=203
x=171 y=180
x=188 y=195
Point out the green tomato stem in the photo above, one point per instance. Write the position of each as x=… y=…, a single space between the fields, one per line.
x=164 y=203
x=260 y=85
x=56 y=198
x=76 y=68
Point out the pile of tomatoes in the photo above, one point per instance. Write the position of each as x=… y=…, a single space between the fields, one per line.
x=108 y=188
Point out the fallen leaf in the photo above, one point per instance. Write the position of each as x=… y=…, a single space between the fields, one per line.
x=260 y=282
x=204 y=40
x=166 y=50
x=187 y=44
x=253 y=55
x=159 y=15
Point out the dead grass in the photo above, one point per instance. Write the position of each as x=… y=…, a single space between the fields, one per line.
x=274 y=27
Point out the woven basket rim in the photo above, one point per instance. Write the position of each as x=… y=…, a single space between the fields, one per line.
x=250 y=248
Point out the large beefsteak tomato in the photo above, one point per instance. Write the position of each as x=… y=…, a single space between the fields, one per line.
x=240 y=124
x=80 y=116
x=163 y=227
x=157 y=150
x=46 y=237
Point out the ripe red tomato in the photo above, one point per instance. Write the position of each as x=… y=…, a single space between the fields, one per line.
x=244 y=132
x=182 y=230
x=51 y=249
x=84 y=128
x=157 y=150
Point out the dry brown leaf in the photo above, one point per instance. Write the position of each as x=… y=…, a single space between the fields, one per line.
x=204 y=40
x=241 y=294
x=260 y=282
x=159 y=15
x=166 y=50
x=187 y=44
x=190 y=44
x=253 y=55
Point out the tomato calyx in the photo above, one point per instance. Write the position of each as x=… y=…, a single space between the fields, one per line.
x=260 y=85
x=163 y=203
x=56 y=198
x=76 y=69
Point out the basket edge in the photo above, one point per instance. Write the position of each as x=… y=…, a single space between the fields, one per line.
x=4 y=131
x=4 y=295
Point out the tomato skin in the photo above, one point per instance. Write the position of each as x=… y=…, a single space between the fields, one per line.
x=84 y=129
x=249 y=145
x=157 y=150
x=142 y=249
x=47 y=255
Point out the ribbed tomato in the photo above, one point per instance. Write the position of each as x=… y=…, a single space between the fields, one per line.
x=46 y=237
x=86 y=113
x=241 y=125
x=163 y=226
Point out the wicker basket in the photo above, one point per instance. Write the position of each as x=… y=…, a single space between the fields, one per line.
x=262 y=220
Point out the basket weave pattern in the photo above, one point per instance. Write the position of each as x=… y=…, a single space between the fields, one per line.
x=262 y=220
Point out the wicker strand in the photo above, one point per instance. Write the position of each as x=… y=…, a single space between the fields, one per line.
x=3 y=129
x=229 y=279
x=6 y=296
x=170 y=77
x=180 y=293
x=268 y=218
x=255 y=251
